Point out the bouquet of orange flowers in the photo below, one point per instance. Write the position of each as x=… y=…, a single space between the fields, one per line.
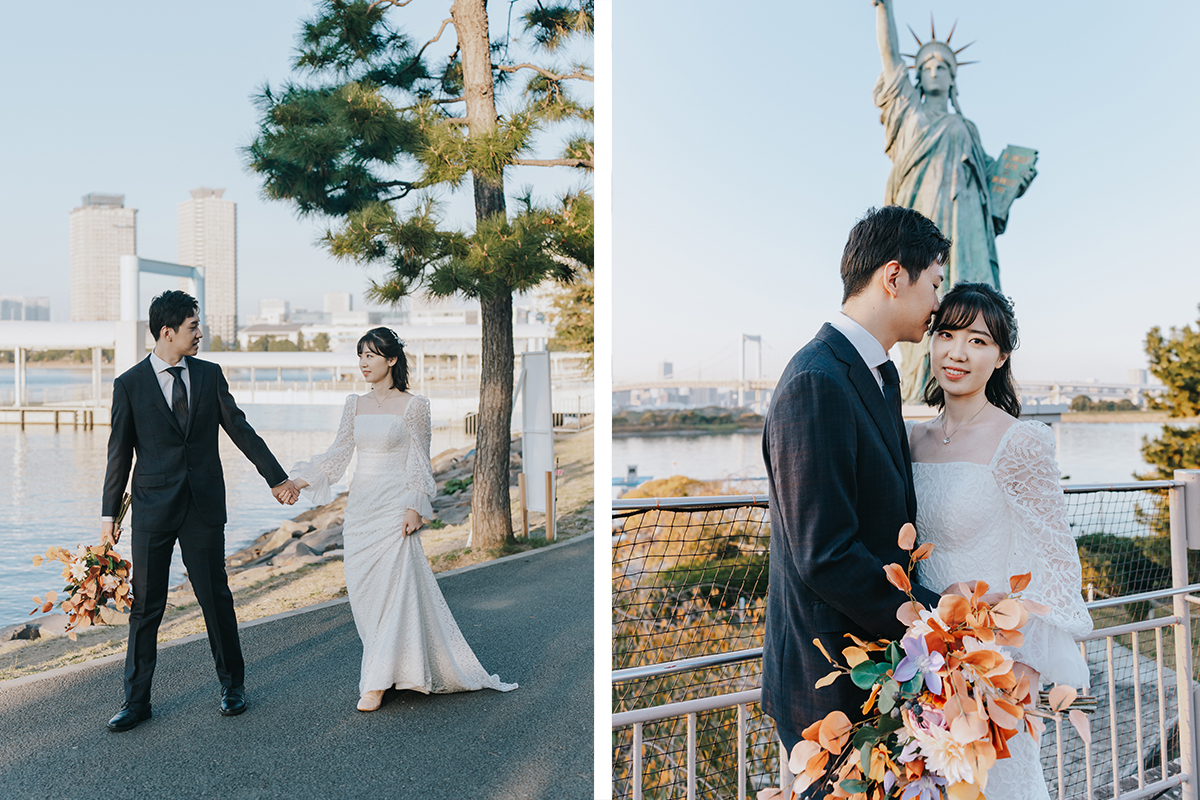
x=94 y=575
x=943 y=702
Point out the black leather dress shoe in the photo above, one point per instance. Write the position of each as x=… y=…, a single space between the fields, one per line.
x=129 y=716
x=233 y=700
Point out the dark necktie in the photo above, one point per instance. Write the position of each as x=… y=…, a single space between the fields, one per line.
x=891 y=393
x=179 y=397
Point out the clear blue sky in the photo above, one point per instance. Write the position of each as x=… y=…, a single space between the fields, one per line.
x=746 y=145
x=150 y=100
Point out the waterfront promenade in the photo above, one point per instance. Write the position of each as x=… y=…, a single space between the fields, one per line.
x=528 y=617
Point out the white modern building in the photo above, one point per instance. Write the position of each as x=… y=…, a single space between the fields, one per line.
x=338 y=302
x=30 y=309
x=273 y=312
x=102 y=230
x=275 y=331
x=208 y=239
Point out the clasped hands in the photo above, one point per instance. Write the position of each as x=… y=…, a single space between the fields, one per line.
x=287 y=492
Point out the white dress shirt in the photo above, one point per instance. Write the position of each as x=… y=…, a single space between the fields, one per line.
x=868 y=347
x=167 y=381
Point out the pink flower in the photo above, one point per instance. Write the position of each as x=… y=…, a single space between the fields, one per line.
x=944 y=754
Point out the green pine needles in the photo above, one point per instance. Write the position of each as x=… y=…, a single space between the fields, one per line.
x=373 y=126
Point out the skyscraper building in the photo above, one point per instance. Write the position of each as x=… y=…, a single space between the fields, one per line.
x=25 y=308
x=338 y=302
x=208 y=238
x=102 y=230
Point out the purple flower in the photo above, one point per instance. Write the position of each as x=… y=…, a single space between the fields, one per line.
x=924 y=788
x=918 y=659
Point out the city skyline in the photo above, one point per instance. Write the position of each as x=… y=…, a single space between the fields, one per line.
x=177 y=119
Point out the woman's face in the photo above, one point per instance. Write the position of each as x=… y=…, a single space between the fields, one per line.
x=374 y=366
x=935 y=77
x=962 y=361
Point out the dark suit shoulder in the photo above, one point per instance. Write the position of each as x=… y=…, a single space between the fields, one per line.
x=813 y=363
x=200 y=365
x=130 y=375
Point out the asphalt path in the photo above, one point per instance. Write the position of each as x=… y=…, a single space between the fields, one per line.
x=528 y=618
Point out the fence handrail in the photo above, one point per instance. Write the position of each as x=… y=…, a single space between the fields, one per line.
x=717 y=502
x=751 y=653
x=686 y=664
x=711 y=503
x=685 y=707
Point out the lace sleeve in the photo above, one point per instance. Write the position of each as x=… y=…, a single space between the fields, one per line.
x=326 y=469
x=419 y=484
x=1043 y=545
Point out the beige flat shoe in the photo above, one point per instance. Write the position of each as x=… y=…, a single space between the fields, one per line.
x=370 y=701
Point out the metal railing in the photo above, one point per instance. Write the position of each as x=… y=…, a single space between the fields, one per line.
x=1141 y=653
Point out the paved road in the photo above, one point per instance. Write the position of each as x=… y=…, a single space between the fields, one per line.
x=528 y=619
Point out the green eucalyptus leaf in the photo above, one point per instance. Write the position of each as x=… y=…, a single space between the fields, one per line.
x=887 y=696
x=886 y=724
x=863 y=736
x=865 y=674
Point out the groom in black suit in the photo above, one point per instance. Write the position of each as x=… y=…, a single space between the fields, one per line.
x=839 y=470
x=167 y=410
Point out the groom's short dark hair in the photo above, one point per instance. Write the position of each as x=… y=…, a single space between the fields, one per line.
x=891 y=233
x=169 y=310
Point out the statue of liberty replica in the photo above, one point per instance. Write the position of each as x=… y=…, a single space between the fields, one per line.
x=940 y=169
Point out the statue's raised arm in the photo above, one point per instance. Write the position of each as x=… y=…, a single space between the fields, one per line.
x=889 y=40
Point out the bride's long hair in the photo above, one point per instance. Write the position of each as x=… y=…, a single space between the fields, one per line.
x=958 y=310
x=385 y=342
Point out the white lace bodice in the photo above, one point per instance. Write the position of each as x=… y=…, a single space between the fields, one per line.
x=990 y=521
x=393 y=458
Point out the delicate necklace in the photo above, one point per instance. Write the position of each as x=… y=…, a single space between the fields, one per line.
x=378 y=402
x=946 y=436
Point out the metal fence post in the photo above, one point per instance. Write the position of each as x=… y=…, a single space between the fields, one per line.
x=1180 y=541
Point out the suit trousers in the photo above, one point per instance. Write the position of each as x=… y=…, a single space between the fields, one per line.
x=203 y=548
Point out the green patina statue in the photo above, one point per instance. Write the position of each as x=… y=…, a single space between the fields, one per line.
x=940 y=169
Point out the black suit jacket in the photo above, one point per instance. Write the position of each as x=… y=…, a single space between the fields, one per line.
x=174 y=463
x=841 y=488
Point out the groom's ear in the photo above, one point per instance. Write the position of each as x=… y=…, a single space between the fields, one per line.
x=890 y=275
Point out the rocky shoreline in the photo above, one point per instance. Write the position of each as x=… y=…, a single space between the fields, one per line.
x=300 y=562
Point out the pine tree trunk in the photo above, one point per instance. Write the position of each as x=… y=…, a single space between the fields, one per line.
x=491 y=511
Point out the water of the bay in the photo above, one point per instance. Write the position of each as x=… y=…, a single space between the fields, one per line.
x=50 y=486
x=1107 y=452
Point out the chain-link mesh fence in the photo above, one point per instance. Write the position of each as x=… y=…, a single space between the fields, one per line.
x=692 y=580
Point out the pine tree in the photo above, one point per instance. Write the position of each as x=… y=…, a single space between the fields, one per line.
x=376 y=123
x=1175 y=360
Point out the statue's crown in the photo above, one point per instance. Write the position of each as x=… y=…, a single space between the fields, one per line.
x=935 y=49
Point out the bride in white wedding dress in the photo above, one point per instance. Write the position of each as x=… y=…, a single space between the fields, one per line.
x=988 y=498
x=410 y=639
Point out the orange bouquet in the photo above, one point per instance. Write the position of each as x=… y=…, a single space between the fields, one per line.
x=95 y=576
x=943 y=702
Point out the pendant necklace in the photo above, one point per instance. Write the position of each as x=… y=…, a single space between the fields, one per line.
x=946 y=436
x=379 y=403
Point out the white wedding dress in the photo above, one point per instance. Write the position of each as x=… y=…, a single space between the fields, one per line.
x=410 y=639
x=989 y=522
